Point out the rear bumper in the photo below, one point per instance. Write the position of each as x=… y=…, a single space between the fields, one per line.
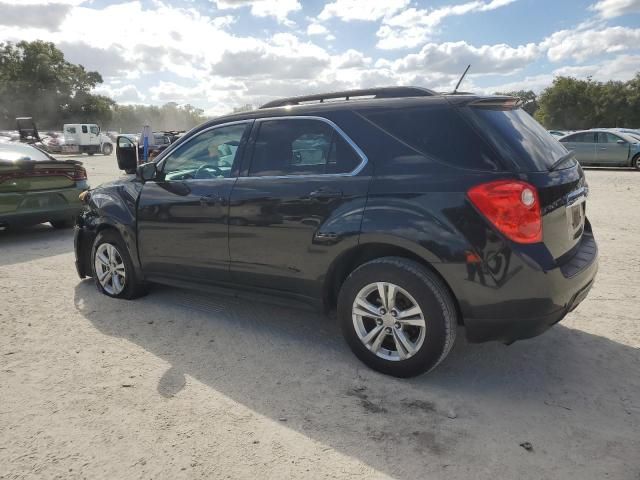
x=30 y=208
x=529 y=301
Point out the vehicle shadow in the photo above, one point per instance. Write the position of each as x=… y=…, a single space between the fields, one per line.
x=23 y=244
x=282 y=362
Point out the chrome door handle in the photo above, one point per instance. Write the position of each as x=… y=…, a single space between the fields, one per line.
x=325 y=193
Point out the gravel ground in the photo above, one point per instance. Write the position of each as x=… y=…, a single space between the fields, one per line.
x=185 y=385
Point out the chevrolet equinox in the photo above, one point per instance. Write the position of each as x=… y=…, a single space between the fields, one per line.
x=407 y=211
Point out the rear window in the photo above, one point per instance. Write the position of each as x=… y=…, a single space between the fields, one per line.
x=439 y=133
x=518 y=137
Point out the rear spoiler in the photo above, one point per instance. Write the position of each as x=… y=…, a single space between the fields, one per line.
x=497 y=103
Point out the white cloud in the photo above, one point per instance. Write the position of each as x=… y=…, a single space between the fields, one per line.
x=412 y=27
x=30 y=15
x=280 y=9
x=453 y=58
x=581 y=45
x=622 y=67
x=352 y=59
x=616 y=8
x=366 y=10
x=126 y=94
x=317 y=29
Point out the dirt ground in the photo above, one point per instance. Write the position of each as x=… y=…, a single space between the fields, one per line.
x=185 y=385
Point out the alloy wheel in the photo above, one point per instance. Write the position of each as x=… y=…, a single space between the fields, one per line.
x=388 y=321
x=110 y=269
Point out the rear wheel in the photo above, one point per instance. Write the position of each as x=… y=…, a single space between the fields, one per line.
x=635 y=163
x=112 y=267
x=397 y=316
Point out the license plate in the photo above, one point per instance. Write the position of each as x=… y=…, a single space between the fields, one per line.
x=575 y=218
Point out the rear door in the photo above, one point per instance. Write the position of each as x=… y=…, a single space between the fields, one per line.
x=298 y=206
x=584 y=145
x=182 y=216
x=612 y=149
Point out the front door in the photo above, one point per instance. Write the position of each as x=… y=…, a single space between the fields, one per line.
x=126 y=154
x=612 y=149
x=182 y=216
x=298 y=207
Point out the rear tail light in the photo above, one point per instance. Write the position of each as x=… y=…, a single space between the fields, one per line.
x=76 y=174
x=79 y=173
x=512 y=206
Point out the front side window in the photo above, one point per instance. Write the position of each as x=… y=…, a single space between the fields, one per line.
x=300 y=147
x=71 y=130
x=606 y=137
x=94 y=129
x=208 y=155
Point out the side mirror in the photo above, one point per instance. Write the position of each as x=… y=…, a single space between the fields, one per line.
x=147 y=171
x=621 y=142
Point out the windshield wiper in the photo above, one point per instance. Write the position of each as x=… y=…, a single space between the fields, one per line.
x=561 y=160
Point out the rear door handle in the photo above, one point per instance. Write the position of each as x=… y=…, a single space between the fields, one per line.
x=325 y=193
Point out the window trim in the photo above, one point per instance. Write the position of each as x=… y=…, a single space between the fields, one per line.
x=168 y=152
x=363 y=158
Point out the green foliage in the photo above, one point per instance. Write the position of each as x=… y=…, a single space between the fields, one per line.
x=575 y=104
x=171 y=116
x=528 y=97
x=36 y=81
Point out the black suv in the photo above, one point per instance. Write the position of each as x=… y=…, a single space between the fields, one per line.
x=407 y=211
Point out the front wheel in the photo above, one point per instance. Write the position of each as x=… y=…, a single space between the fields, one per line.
x=107 y=149
x=397 y=316
x=635 y=163
x=112 y=267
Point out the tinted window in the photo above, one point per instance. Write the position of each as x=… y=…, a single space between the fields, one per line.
x=518 y=137
x=208 y=155
x=439 y=133
x=71 y=129
x=84 y=129
x=606 y=137
x=585 y=137
x=300 y=147
x=94 y=129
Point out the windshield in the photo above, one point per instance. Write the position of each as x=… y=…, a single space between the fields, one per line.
x=518 y=138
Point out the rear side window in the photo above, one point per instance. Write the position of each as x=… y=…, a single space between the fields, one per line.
x=84 y=129
x=587 y=137
x=300 y=147
x=71 y=129
x=439 y=133
x=518 y=137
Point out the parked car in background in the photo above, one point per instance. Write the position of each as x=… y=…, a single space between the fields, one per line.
x=604 y=147
x=85 y=138
x=37 y=188
x=557 y=133
x=9 y=136
x=408 y=211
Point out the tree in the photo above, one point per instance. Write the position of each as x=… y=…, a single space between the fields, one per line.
x=171 y=116
x=575 y=104
x=37 y=81
x=528 y=97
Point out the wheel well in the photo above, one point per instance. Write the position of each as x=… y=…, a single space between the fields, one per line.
x=362 y=254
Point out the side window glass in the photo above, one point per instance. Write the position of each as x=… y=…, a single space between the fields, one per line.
x=84 y=129
x=94 y=130
x=71 y=129
x=605 y=137
x=208 y=155
x=300 y=147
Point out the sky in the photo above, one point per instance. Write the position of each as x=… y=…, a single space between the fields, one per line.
x=221 y=54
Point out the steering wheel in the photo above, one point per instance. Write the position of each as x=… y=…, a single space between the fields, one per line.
x=205 y=169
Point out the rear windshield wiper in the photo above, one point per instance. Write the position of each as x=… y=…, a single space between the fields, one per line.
x=561 y=160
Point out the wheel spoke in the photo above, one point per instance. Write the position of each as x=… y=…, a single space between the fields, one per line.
x=115 y=281
x=409 y=312
x=120 y=269
x=414 y=322
x=383 y=295
x=399 y=347
x=103 y=259
x=102 y=275
x=372 y=334
x=391 y=296
x=378 y=341
x=405 y=342
x=369 y=309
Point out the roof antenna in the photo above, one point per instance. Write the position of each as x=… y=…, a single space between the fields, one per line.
x=455 y=90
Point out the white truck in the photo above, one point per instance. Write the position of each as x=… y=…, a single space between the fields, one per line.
x=85 y=138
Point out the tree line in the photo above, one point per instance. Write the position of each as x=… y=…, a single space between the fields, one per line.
x=36 y=81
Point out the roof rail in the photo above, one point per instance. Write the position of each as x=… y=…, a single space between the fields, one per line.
x=385 y=92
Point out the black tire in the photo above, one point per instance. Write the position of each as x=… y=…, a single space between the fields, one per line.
x=635 y=162
x=107 y=149
x=133 y=286
x=431 y=295
x=61 y=224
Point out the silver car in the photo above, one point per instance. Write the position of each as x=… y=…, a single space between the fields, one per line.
x=604 y=147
